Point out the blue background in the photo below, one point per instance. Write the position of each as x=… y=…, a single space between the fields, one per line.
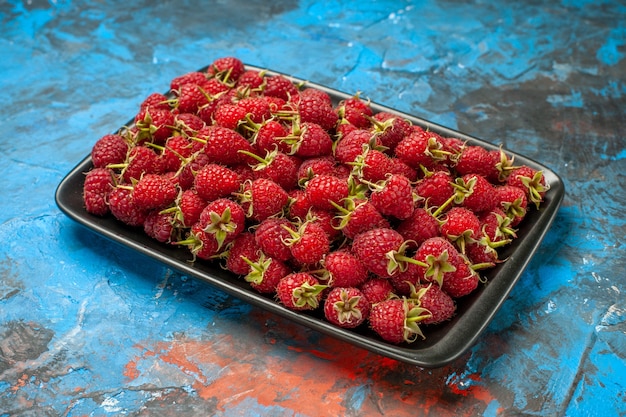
x=90 y=328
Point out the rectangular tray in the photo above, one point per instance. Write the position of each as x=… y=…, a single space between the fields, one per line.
x=443 y=344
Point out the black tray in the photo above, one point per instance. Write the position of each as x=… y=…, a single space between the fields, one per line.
x=443 y=344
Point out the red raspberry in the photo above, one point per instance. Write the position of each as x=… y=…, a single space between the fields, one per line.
x=280 y=86
x=421 y=148
x=155 y=124
x=397 y=320
x=266 y=273
x=224 y=219
x=346 y=307
x=460 y=226
x=154 y=191
x=420 y=226
x=299 y=291
x=251 y=79
x=377 y=289
x=124 y=209
x=262 y=198
x=462 y=281
x=193 y=77
x=242 y=250
x=222 y=145
x=191 y=206
x=278 y=167
x=308 y=244
x=344 y=269
x=390 y=129
x=350 y=146
x=316 y=108
x=313 y=141
x=358 y=216
x=480 y=195
x=311 y=167
x=271 y=235
x=439 y=304
x=474 y=159
x=355 y=111
x=394 y=197
x=531 y=181
x=215 y=181
x=374 y=165
x=441 y=257
x=269 y=135
x=109 y=149
x=435 y=189
x=156 y=100
x=373 y=248
x=96 y=188
x=513 y=201
x=159 y=226
x=229 y=115
x=323 y=190
x=227 y=68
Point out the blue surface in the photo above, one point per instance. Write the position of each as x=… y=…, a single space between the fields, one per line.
x=90 y=328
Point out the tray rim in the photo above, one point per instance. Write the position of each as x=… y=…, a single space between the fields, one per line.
x=455 y=342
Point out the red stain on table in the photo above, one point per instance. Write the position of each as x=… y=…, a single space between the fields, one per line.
x=312 y=379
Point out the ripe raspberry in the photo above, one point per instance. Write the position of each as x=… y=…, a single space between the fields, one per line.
x=268 y=137
x=397 y=320
x=109 y=149
x=308 y=244
x=373 y=165
x=376 y=247
x=241 y=251
x=355 y=111
x=262 y=198
x=257 y=108
x=435 y=189
x=358 y=216
x=229 y=115
x=266 y=273
x=474 y=159
x=316 y=108
x=154 y=124
x=215 y=181
x=227 y=69
x=311 y=167
x=312 y=141
x=462 y=281
x=346 y=307
x=278 y=167
x=155 y=100
x=324 y=190
x=223 y=146
x=280 y=86
x=461 y=226
x=154 y=191
x=190 y=206
x=480 y=193
x=96 y=188
x=271 y=235
x=513 y=201
x=441 y=257
x=421 y=148
x=394 y=197
x=344 y=269
x=531 y=181
x=194 y=77
x=124 y=209
x=420 y=226
x=224 y=219
x=299 y=291
x=390 y=129
x=377 y=289
x=177 y=149
x=350 y=146
x=251 y=79
x=438 y=303
x=159 y=226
